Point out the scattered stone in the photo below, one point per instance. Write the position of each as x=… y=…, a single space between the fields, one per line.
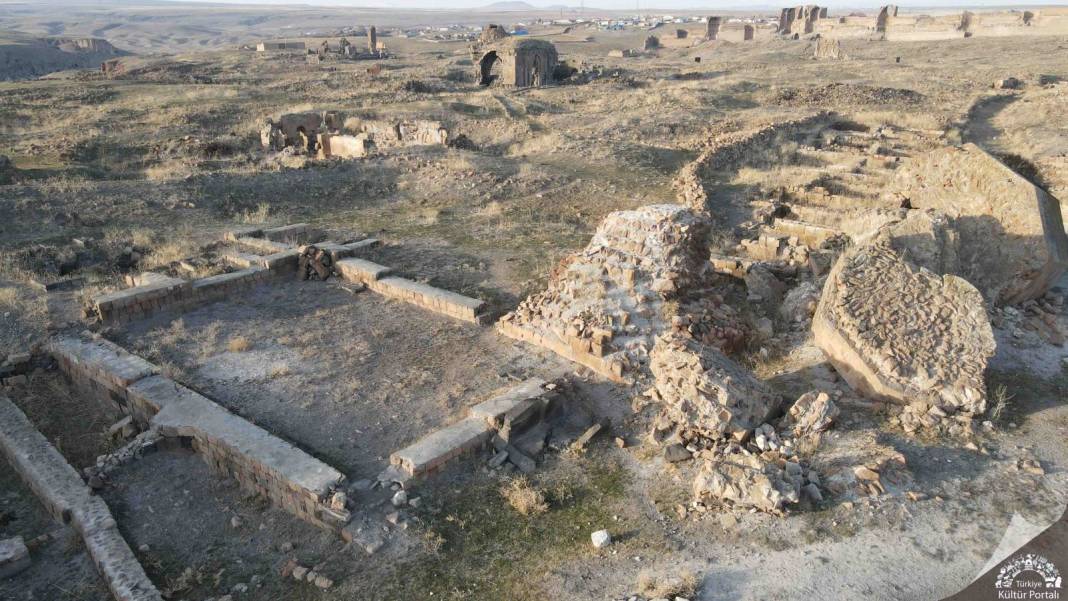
x=601 y=539
x=813 y=413
x=14 y=557
x=236 y=522
x=300 y=572
x=586 y=437
x=675 y=453
x=400 y=498
x=748 y=481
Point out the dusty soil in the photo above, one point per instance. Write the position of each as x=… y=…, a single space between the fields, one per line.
x=61 y=569
x=119 y=175
x=349 y=378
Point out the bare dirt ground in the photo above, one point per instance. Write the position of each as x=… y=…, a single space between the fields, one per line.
x=351 y=378
x=118 y=175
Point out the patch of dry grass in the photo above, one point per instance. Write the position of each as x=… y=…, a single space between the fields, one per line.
x=658 y=585
x=525 y=497
x=238 y=344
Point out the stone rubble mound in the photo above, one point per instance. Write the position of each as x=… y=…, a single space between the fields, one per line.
x=704 y=393
x=609 y=301
x=1013 y=246
x=766 y=482
x=899 y=333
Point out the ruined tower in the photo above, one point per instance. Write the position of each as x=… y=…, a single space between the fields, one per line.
x=712 y=29
x=372 y=40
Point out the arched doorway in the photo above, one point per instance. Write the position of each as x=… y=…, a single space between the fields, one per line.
x=489 y=68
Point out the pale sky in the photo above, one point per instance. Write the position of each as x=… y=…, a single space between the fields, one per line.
x=645 y=4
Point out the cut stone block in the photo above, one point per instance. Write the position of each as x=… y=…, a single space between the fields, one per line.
x=248 y=232
x=295 y=233
x=183 y=412
x=101 y=359
x=359 y=270
x=437 y=448
x=1013 y=246
x=287 y=260
x=429 y=297
x=263 y=245
x=64 y=495
x=242 y=260
x=903 y=334
x=14 y=557
x=514 y=407
x=359 y=245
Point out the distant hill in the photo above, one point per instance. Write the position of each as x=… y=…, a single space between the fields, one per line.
x=514 y=5
x=27 y=58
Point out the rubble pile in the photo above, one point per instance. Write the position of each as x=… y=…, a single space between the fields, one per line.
x=812 y=413
x=704 y=394
x=612 y=299
x=902 y=334
x=766 y=482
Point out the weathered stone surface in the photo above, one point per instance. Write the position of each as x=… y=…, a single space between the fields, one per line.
x=183 y=412
x=704 y=393
x=360 y=270
x=604 y=305
x=1012 y=240
x=812 y=413
x=749 y=481
x=440 y=446
x=514 y=406
x=902 y=334
x=14 y=557
x=64 y=495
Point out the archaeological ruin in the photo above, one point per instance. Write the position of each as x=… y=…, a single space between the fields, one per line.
x=516 y=62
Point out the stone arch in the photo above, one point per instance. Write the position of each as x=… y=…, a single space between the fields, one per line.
x=485 y=67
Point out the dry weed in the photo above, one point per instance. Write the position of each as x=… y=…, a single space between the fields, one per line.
x=524 y=497
x=239 y=344
x=681 y=584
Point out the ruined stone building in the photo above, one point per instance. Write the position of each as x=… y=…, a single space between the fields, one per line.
x=299 y=130
x=882 y=22
x=800 y=19
x=747 y=33
x=515 y=62
x=280 y=46
x=712 y=28
x=372 y=40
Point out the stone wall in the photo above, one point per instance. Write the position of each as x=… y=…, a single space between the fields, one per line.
x=140 y=301
x=731 y=151
x=62 y=492
x=261 y=462
x=377 y=278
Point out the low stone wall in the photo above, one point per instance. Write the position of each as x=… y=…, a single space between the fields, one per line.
x=232 y=446
x=261 y=462
x=503 y=415
x=377 y=278
x=731 y=151
x=141 y=301
x=62 y=492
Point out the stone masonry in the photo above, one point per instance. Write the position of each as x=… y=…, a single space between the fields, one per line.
x=604 y=306
x=902 y=334
x=62 y=492
x=1013 y=246
x=261 y=462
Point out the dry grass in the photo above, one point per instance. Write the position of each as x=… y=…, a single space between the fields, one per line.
x=239 y=344
x=655 y=585
x=260 y=215
x=524 y=497
x=278 y=370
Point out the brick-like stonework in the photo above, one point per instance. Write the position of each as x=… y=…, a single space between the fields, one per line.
x=141 y=301
x=261 y=462
x=514 y=409
x=62 y=492
x=230 y=444
x=377 y=278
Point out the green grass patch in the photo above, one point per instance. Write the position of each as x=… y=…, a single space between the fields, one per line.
x=480 y=548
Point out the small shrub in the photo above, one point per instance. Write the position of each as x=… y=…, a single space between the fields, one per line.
x=680 y=584
x=524 y=497
x=239 y=344
x=1001 y=402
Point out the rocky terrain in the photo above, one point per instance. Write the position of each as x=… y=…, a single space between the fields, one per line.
x=706 y=318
